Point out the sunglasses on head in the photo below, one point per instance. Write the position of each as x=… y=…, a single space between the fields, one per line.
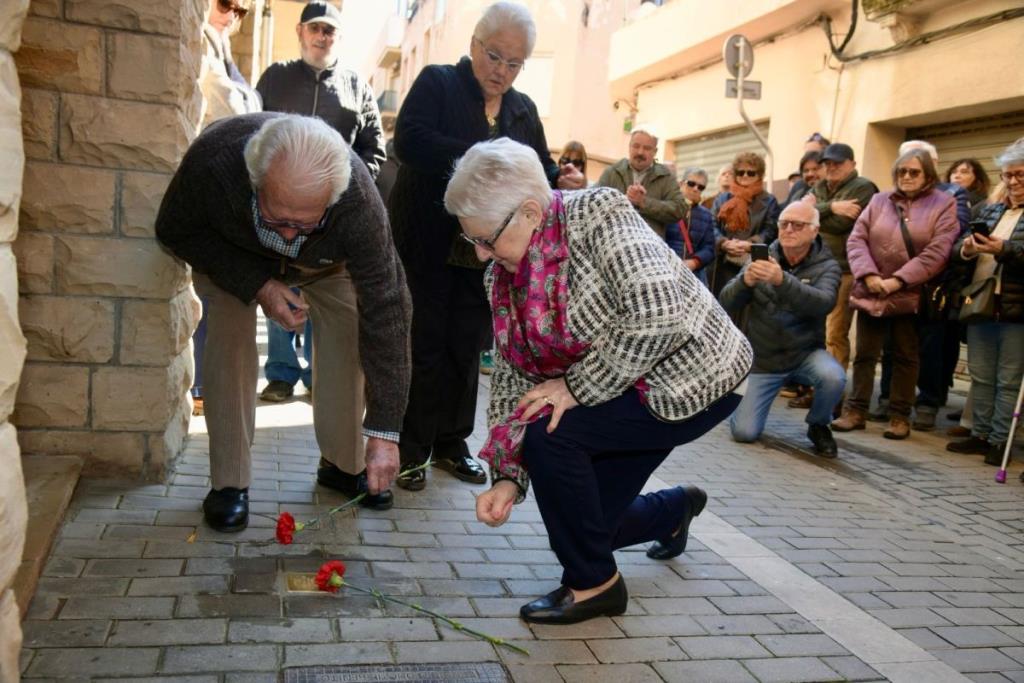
x=747 y=173
x=578 y=163
x=228 y=6
x=912 y=172
x=694 y=183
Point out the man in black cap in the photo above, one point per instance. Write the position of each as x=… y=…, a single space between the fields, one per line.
x=840 y=197
x=315 y=85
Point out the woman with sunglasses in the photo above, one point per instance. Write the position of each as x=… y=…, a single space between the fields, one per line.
x=900 y=241
x=447 y=110
x=610 y=353
x=693 y=237
x=573 y=154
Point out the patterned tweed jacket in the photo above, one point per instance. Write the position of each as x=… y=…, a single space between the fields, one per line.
x=643 y=313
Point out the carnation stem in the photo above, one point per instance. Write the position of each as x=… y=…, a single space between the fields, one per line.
x=355 y=501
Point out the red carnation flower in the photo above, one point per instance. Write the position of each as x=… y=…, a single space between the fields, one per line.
x=285 y=528
x=329 y=578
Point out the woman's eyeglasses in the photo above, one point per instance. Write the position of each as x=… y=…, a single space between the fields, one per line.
x=912 y=173
x=228 y=6
x=489 y=242
x=494 y=59
x=1015 y=175
x=694 y=183
x=740 y=173
x=578 y=163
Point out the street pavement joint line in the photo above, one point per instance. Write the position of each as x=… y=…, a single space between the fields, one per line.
x=881 y=647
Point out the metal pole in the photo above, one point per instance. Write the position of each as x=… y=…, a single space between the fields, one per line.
x=742 y=45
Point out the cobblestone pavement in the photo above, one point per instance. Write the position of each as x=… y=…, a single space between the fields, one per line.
x=897 y=561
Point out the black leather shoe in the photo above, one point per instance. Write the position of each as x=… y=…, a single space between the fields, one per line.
x=824 y=444
x=227 y=509
x=994 y=456
x=559 y=607
x=352 y=485
x=675 y=545
x=463 y=467
x=414 y=481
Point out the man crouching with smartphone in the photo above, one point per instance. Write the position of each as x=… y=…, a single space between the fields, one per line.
x=791 y=287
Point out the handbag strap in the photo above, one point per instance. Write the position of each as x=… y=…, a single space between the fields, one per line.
x=906 y=233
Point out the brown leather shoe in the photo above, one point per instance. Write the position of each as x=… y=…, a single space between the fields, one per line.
x=899 y=428
x=803 y=402
x=958 y=432
x=849 y=420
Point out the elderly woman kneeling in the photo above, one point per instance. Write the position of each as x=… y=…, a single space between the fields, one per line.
x=609 y=353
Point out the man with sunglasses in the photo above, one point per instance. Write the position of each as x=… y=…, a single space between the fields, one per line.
x=262 y=203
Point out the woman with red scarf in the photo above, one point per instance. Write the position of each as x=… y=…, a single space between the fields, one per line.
x=608 y=353
x=746 y=214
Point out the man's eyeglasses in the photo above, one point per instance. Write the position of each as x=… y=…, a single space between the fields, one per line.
x=793 y=226
x=1015 y=175
x=228 y=6
x=578 y=163
x=302 y=228
x=326 y=30
x=911 y=172
x=694 y=183
x=745 y=172
x=489 y=242
x=494 y=59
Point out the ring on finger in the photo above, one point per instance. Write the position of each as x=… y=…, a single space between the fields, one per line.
x=548 y=400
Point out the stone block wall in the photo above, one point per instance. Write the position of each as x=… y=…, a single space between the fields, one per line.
x=110 y=104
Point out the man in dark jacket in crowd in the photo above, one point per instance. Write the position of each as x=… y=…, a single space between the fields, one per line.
x=316 y=85
x=789 y=296
x=262 y=203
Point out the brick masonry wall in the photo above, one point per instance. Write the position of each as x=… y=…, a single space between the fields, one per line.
x=110 y=104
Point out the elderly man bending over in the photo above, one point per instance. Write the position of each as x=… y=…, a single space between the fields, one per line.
x=262 y=203
x=791 y=293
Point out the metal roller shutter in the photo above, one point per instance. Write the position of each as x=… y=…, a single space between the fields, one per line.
x=982 y=139
x=712 y=151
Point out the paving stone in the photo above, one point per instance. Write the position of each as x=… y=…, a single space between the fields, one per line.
x=791 y=670
x=251 y=678
x=908 y=617
x=78 y=607
x=793 y=623
x=508 y=628
x=914 y=599
x=169 y=632
x=450 y=607
x=220 y=658
x=852 y=669
x=149 y=532
x=694 y=588
x=64 y=633
x=976 y=660
x=689 y=606
x=722 y=647
x=280 y=631
x=228 y=606
x=98 y=549
x=659 y=625
x=134 y=568
x=450 y=554
x=468 y=587
x=707 y=671
x=750 y=605
x=925 y=638
x=493 y=571
x=548 y=652
x=429 y=570
x=336 y=653
x=255 y=583
x=600 y=627
x=609 y=673
x=160 y=679
x=975 y=636
x=401 y=540
x=802 y=645
x=179 y=585
x=111 y=661
x=445 y=651
x=498 y=607
x=390 y=629
x=974 y=616
x=115 y=516
x=971 y=599
x=737 y=624
x=81 y=586
x=634 y=649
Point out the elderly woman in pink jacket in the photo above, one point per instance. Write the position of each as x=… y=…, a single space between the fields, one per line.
x=900 y=241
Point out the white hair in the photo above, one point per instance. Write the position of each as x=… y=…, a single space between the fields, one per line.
x=314 y=155
x=694 y=170
x=502 y=16
x=494 y=178
x=1012 y=155
x=919 y=144
x=815 y=214
x=646 y=131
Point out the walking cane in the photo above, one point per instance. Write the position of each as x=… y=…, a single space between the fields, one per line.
x=1001 y=474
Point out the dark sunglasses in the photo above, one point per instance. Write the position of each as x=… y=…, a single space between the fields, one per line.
x=694 y=183
x=228 y=6
x=912 y=172
x=578 y=163
x=746 y=173
x=489 y=242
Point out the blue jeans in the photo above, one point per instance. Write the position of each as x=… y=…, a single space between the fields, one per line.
x=995 y=358
x=282 y=361
x=819 y=370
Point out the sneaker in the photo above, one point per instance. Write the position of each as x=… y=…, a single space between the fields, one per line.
x=899 y=429
x=881 y=411
x=277 y=391
x=924 y=421
x=973 y=445
x=486 y=363
x=824 y=444
x=849 y=420
x=994 y=456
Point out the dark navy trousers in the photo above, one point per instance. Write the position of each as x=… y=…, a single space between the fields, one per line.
x=587 y=476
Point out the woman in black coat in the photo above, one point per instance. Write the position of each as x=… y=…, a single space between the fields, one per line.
x=447 y=110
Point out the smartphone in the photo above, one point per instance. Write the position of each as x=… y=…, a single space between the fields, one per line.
x=758 y=252
x=979 y=227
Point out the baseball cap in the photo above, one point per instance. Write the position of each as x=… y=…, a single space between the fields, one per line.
x=321 y=12
x=837 y=151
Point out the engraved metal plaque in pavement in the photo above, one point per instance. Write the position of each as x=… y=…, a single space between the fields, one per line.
x=485 y=672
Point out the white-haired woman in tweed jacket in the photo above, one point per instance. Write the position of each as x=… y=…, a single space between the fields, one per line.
x=609 y=354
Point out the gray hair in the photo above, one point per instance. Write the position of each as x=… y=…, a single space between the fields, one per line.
x=493 y=179
x=815 y=214
x=646 y=131
x=694 y=170
x=314 y=155
x=502 y=16
x=919 y=144
x=1012 y=155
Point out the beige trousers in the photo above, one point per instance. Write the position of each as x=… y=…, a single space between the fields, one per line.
x=837 y=325
x=231 y=369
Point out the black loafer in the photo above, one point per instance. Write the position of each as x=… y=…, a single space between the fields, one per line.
x=227 y=509
x=463 y=467
x=559 y=606
x=413 y=481
x=675 y=544
x=352 y=485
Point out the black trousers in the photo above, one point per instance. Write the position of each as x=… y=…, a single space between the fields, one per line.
x=450 y=322
x=587 y=476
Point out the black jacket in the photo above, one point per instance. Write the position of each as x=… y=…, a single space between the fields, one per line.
x=787 y=322
x=337 y=96
x=1010 y=307
x=440 y=119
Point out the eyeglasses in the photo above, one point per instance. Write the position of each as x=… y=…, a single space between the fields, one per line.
x=494 y=59
x=694 y=183
x=489 y=242
x=744 y=172
x=793 y=226
x=326 y=30
x=228 y=6
x=578 y=163
x=1015 y=175
x=302 y=228
x=912 y=172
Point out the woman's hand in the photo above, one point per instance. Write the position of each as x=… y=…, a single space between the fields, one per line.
x=874 y=284
x=735 y=247
x=985 y=244
x=571 y=178
x=494 y=507
x=891 y=285
x=970 y=247
x=553 y=392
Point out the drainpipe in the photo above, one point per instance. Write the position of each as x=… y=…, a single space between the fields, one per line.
x=268 y=36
